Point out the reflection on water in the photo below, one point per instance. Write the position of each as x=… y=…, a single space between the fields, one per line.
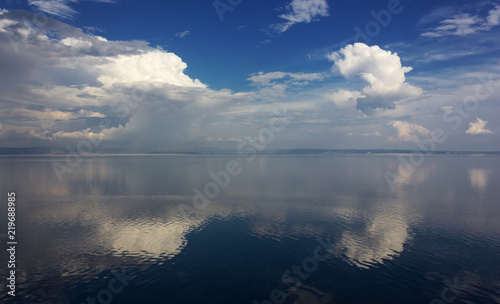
x=406 y=177
x=122 y=212
x=478 y=178
x=150 y=239
x=383 y=238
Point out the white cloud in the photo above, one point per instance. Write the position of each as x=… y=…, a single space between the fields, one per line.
x=407 y=131
x=59 y=88
x=183 y=34
x=493 y=18
x=377 y=133
x=59 y=8
x=478 y=127
x=76 y=42
x=47 y=84
x=85 y=134
x=52 y=115
x=302 y=11
x=267 y=79
x=463 y=24
x=344 y=97
x=381 y=69
x=272 y=93
x=5 y=23
x=153 y=66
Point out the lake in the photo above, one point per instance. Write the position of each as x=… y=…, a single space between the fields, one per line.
x=269 y=229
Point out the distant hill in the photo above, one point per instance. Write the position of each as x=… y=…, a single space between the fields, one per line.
x=32 y=150
x=369 y=151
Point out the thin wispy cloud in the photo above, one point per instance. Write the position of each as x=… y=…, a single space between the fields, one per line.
x=183 y=34
x=265 y=79
x=59 y=8
x=301 y=11
x=463 y=24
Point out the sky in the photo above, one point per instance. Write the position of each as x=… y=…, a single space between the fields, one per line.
x=144 y=76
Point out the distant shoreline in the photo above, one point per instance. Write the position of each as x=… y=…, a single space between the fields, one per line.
x=47 y=151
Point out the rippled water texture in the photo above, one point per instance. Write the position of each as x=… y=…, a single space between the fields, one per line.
x=284 y=230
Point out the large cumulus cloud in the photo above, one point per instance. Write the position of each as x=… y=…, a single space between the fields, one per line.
x=381 y=69
x=58 y=83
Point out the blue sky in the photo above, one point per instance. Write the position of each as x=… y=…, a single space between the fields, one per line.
x=141 y=76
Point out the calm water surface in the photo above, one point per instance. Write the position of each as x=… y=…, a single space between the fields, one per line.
x=285 y=230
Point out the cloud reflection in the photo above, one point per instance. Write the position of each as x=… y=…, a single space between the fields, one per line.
x=150 y=239
x=478 y=179
x=383 y=238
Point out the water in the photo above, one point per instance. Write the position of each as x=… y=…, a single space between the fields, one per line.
x=112 y=230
